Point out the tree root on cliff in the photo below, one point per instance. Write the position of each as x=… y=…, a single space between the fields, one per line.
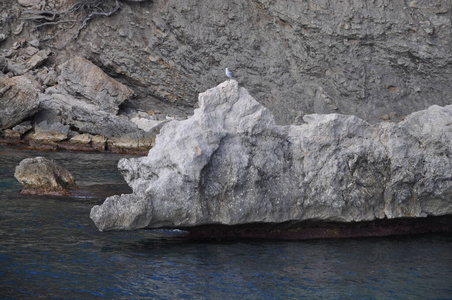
x=72 y=15
x=97 y=13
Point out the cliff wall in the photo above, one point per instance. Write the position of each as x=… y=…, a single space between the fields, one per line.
x=374 y=59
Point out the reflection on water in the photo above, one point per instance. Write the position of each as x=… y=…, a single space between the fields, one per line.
x=49 y=248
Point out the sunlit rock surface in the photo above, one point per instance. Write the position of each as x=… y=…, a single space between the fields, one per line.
x=231 y=164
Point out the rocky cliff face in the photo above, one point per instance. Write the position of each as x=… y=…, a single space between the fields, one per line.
x=231 y=164
x=373 y=59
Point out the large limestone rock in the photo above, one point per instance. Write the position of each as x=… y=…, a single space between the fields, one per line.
x=230 y=164
x=18 y=100
x=41 y=176
x=79 y=76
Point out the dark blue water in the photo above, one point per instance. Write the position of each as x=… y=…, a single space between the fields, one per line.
x=50 y=249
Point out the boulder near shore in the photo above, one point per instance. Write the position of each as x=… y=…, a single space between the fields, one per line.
x=42 y=176
x=230 y=164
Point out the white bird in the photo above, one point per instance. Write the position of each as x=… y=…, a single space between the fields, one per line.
x=230 y=74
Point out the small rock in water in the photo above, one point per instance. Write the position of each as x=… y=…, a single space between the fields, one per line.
x=42 y=176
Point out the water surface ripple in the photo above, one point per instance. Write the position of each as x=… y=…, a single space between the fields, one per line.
x=50 y=249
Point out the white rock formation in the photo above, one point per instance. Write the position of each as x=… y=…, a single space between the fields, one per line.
x=231 y=164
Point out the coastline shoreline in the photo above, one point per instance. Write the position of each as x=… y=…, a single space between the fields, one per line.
x=67 y=146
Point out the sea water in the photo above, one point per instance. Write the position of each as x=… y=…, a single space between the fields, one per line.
x=50 y=249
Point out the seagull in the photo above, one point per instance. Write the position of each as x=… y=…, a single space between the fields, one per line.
x=230 y=74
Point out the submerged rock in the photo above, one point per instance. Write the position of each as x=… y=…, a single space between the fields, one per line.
x=41 y=176
x=231 y=164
